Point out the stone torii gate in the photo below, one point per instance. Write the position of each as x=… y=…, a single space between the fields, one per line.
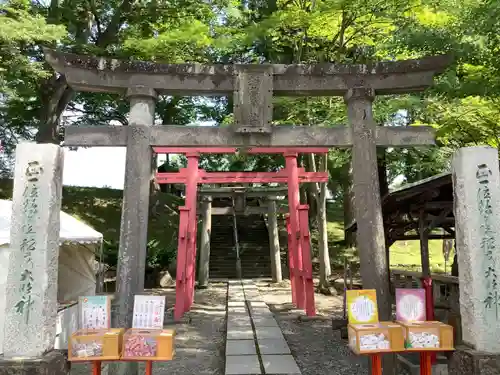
x=253 y=87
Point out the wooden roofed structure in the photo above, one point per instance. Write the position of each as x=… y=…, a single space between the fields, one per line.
x=422 y=210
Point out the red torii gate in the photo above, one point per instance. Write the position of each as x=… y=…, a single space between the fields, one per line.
x=299 y=255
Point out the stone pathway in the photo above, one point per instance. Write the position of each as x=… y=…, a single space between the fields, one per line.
x=254 y=342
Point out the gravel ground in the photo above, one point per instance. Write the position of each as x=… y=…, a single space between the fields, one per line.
x=316 y=348
x=200 y=339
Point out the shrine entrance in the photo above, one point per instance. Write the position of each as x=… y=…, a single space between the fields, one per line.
x=252 y=87
x=299 y=252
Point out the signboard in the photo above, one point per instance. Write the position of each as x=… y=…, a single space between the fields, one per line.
x=94 y=312
x=148 y=312
x=410 y=305
x=362 y=306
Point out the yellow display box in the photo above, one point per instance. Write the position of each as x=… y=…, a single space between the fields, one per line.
x=152 y=344
x=427 y=336
x=95 y=344
x=378 y=337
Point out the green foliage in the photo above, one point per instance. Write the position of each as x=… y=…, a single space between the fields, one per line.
x=462 y=106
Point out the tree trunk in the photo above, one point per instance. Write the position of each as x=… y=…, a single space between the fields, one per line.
x=324 y=255
x=55 y=96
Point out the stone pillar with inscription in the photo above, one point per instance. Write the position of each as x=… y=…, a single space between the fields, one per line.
x=31 y=288
x=476 y=186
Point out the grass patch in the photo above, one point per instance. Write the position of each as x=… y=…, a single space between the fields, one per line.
x=101 y=209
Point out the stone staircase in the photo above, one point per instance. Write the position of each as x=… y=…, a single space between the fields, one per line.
x=254 y=247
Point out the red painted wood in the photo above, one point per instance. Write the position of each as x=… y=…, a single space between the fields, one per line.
x=292 y=172
x=426 y=363
x=306 y=260
x=205 y=177
x=191 y=192
x=96 y=367
x=291 y=260
x=376 y=364
x=429 y=305
x=180 y=282
x=298 y=246
x=149 y=368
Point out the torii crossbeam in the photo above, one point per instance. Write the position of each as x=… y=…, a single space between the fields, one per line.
x=252 y=87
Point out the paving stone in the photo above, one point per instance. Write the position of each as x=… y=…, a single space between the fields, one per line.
x=273 y=346
x=237 y=310
x=269 y=333
x=236 y=304
x=264 y=321
x=238 y=326
x=239 y=320
x=280 y=364
x=258 y=304
x=240 y=347
x=240 y=333
x=261 y=312
x=242 y=365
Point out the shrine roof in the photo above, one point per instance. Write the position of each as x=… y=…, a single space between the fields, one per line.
x=433 y=194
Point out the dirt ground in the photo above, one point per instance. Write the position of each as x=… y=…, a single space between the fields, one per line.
x=316 y=348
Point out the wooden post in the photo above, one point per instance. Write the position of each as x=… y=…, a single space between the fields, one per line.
x=206 y=222
x=291 y=260
x=191 y=191
x=307 y=276
x=293 y=206
x=274 y=242
x=424 y=244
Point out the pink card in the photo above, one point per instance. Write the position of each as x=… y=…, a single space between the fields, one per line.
x=410 y=305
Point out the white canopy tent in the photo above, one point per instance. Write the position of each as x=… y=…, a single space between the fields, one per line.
x=79 y=245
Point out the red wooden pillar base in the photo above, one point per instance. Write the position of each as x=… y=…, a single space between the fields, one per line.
x=429 y=305
x=293 y=206
x=181 y=280
x=376 y=360
x=426 y=363
x=307 y=276
x=96 y=367
x=190 y=201
x=291 y=260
